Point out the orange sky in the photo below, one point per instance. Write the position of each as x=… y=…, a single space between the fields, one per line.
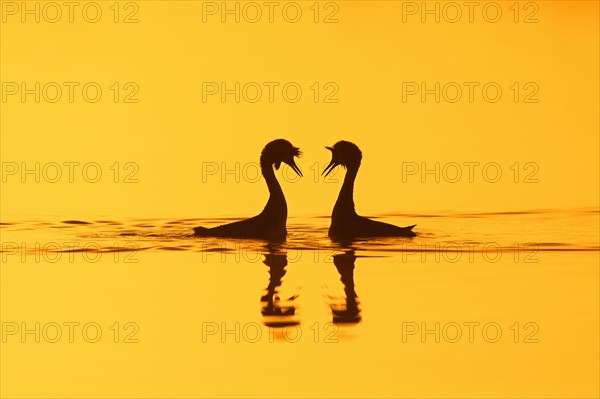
x=366 y=58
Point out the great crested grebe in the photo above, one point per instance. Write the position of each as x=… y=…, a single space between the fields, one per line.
x=345 y=223
x=270 y=224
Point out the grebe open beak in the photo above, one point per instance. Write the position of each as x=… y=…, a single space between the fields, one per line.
x=295 y=167
x=329 y=168
x=331 y=165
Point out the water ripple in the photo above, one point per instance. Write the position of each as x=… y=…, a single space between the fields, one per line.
x=539 y=230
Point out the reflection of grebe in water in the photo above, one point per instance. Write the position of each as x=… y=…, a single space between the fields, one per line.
x=347 y=312
x=345 y=223
x=271 y=222
x=275 y=312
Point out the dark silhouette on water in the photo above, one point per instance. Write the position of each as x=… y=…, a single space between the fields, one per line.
x=270 y=224
x=345 y=223
x=348 y=312
x=274 y=313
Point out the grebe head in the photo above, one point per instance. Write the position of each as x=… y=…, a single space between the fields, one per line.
x=278 y=151
x=343 y=153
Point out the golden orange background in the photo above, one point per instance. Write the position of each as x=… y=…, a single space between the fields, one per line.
x=368 y=54
x=170 y=133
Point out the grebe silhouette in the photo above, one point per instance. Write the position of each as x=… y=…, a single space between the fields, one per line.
x=348 y=311
x=270 y=223
x=345 y=223
x=277 y=312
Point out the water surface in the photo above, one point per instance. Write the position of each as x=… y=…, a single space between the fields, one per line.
x=540 y=230
x=500 y=304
